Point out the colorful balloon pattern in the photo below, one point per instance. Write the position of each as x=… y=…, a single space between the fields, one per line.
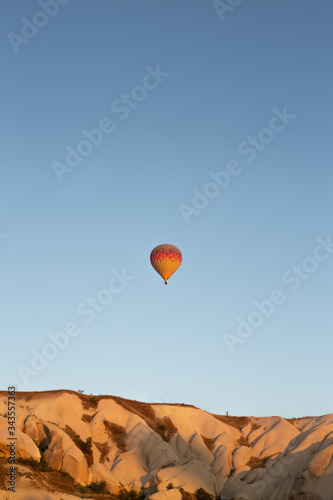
x=166 y=259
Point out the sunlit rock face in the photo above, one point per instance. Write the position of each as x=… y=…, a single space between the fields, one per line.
x=164 y=450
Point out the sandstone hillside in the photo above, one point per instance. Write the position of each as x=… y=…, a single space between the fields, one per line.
x=70 y=445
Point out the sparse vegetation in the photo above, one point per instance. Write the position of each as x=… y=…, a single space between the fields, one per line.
x=58 y=480
x=237 y=422
x=43 y=475
x=87 y=418
x=208 y=442
x=93 y=401
x=202 y=494
x=3 y=473
x=104 y=449
x=170 y=486
x=84 y=446
x=254 y=426
x=186 y=495
x=89 y=402
x=34 y=464
x=298 y=422
x=243 y=442
x=40 y=474
x=125 y=494
x=117 y=434
x=96 y=488
x=163 y=426
x=256 y=462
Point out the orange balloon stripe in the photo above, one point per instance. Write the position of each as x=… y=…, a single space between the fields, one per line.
x=166 y=264
x=165 y=259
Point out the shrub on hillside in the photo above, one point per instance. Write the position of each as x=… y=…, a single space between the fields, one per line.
x=125 y=494
x=202 y=494
x=87 y=418
x=96 y=488
x=243 y=442
x=256 y=462
x=117 y=434
x=84 y=446
x=34 y=464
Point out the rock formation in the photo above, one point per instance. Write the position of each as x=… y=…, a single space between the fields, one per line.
x=148 y=446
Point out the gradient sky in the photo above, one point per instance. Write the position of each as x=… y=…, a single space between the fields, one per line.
x=223 y=75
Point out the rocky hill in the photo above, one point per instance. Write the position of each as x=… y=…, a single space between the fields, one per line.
x=70 y=445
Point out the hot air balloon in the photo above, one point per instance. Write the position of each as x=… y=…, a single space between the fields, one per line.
x=165 y=259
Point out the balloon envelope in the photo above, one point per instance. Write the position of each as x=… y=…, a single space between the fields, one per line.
x=165 y=259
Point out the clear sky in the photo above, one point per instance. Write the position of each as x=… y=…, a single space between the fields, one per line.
x=117 y=116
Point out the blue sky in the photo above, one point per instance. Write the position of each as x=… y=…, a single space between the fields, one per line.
x=180 y=89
